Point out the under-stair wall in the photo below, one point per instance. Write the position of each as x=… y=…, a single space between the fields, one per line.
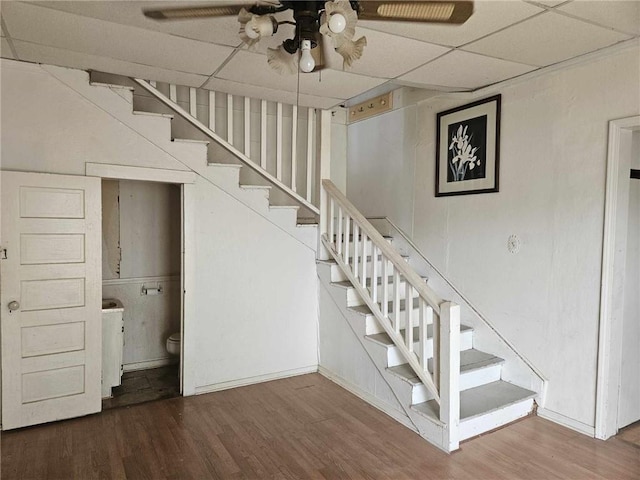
x=238 y=327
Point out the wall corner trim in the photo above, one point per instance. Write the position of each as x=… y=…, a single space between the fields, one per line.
x=565 y=421
x=372 y=400
x=125 y=172
x=243 y=382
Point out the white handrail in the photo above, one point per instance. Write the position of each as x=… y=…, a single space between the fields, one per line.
x=443 y=385
x=226 y=143
x=464 y=300
x=385 y=249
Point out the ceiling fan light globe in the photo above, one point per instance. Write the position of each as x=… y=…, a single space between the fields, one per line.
x=282 y=61
x=251 y=33
x=337 y=23
x=307 y=63
x=260 y=26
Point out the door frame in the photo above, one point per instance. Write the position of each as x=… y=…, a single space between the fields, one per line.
x=616 y=218
x=185 y=179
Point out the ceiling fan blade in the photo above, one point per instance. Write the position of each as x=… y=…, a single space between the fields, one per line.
x=183 y=13
x=455 y=12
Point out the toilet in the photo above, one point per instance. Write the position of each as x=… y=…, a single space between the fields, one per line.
x=173 y=344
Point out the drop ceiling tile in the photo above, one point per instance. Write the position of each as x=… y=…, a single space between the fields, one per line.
x=546 y=39
x=488 y=17
x=223 y=30
x=252 y=69
x=386 y=55
x=87 y=35
x=5 y=50
x=550 y=3
x=621 y=15
x=32 y=52
x=304 y=100
x=464 y=70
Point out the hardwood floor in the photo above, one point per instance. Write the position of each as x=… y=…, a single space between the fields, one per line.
x=296 y=428
x=144 y=386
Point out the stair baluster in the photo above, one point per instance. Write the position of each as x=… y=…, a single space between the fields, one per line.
x=443 y=383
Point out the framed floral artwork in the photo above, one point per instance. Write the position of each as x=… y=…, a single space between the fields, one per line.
x=468 y=148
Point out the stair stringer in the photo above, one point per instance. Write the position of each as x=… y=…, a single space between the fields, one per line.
x=189 y=156
x=430 y=429
x=516 y=369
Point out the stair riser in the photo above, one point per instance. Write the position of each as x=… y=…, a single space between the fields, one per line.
x=497 y=418
x=394 y=357
x=373 y=327
x=470 y=379
x=154 y=127
x=256 y=198
x=353 y=299
x=338 y=276
x=283 y=216
x=227 y=176
x=368 y=247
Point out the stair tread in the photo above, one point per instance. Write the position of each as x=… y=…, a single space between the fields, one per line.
x=256 y=187
x=190 y=140
x=386 y=237
x=389 y=280
x=153 y=114
x=111 y=85
x=283 y=207
x=364 y=310
x=347 y=283
x=232 y=165
x=481 y=400
x=471 y=359
x=385 y=340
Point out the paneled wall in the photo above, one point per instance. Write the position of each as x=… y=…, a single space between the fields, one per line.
x=141 y=248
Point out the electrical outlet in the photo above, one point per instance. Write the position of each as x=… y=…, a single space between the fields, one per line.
x=370 y=108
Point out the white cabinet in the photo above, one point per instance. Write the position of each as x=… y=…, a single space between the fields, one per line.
x=112 y=343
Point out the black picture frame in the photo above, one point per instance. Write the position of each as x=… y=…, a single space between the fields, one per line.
x=468 y=148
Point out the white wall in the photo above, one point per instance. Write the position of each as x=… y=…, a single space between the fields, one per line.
x=545 y=299
x=256 y=317
x=253 y=298
x=381 y=164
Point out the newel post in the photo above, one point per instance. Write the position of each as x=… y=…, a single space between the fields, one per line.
x=450 y=373
x=324 y=172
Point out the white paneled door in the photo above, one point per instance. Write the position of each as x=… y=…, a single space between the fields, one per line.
x=51 y=297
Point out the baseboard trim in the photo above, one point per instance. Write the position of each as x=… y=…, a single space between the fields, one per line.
x=567 y=422
x=243 y=382
x=160 y=362
x=367 y=397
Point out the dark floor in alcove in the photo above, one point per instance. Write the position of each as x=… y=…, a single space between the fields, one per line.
x=143 y=386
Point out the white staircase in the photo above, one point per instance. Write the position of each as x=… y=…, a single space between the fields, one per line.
x=115 y=95
x=475 y=388
x=448 y=385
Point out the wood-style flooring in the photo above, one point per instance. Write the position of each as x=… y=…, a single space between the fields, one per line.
x=296 y=428
x=144 y=386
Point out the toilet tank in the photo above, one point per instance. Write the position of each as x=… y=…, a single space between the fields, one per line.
x=112 y=343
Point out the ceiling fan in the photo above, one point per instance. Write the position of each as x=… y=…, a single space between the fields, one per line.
x=318 y=20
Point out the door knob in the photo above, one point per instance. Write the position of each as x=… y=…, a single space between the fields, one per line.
x=13 y=306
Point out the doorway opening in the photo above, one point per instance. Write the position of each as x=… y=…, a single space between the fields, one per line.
x=618 y=385
x=141 y=291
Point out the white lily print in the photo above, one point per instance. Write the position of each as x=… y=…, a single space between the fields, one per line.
x=464 y=158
